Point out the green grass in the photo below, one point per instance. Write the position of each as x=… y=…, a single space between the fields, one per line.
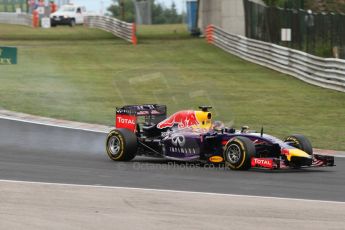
x=60 y=76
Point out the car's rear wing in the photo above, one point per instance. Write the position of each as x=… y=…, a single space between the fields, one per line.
x=126 y=116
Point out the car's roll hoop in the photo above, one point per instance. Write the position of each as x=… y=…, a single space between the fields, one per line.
x=205 y=108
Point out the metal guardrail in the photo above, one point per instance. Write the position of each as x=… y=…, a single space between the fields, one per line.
x=323 y=72
x=17 y=19
x=124 y=30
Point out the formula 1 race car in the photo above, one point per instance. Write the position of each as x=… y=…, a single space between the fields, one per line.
x=191 y=136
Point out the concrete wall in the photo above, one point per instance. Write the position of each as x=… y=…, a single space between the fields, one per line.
x=227 y=14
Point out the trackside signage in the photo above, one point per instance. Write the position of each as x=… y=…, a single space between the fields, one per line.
x=8 y=55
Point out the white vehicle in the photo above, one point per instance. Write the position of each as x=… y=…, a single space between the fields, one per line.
x=68 y=15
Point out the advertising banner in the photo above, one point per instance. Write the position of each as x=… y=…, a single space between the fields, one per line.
x=8 y=55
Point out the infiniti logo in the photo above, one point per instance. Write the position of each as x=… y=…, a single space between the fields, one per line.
x=178 y=140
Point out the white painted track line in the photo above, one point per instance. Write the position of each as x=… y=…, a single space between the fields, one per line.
x=166 y=191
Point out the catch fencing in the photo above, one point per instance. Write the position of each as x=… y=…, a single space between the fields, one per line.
x=17 y=19
x=323 y=72
x=321 y=34
x=124 y=30
x=13 y=5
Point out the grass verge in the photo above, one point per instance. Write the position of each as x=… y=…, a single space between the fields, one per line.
x=82 y=74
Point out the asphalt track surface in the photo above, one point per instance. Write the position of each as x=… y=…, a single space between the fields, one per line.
x=32 y=152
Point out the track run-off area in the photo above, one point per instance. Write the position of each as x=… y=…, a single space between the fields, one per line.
x=62 y=178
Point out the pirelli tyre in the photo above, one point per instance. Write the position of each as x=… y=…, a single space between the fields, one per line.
x=301 y=142
x=121 y=145
x=238 y=153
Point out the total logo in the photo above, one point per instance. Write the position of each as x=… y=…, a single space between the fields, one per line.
x=262 y=162
x=125 y=121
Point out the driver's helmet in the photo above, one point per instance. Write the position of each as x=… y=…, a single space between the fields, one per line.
x=218 y=126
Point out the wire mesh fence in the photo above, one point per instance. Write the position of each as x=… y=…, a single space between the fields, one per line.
x=321 y=34
x=13 y=5
x=25 y=6
x=143 y=12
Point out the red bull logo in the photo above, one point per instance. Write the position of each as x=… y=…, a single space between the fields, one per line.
x=183 y=119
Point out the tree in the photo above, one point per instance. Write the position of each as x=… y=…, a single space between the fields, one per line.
x=123 y=9
x=295 y=4
x=172 y=16
x=274 y=2
x=160 y=14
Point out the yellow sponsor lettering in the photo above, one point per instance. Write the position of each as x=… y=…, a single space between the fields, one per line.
x=216 y=159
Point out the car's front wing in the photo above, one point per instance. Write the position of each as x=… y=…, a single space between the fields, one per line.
x=277 y=163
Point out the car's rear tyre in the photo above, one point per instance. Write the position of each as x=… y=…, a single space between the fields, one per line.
x=238 y=153
x=121 y=145
x=301 y=142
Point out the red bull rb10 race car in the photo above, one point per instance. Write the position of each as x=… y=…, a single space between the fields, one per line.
x=190 y=135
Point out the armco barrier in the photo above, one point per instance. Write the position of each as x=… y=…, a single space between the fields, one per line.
x=17 y=19
x=124 y=30
x=323 y=72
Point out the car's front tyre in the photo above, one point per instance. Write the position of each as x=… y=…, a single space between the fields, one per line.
x=238 y=153
x=301 y=142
